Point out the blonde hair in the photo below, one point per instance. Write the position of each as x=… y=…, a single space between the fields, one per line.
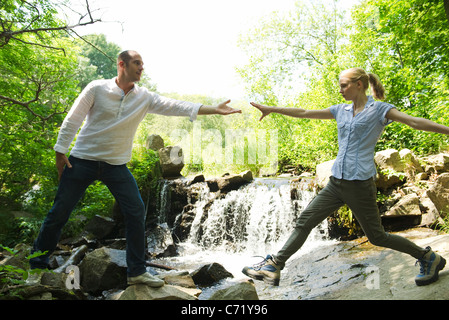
x=356 y=74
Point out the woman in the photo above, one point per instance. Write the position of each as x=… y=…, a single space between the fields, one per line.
x=360 y=125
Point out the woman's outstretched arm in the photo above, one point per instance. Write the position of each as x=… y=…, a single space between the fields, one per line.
x=294 y=112
x=416 y=123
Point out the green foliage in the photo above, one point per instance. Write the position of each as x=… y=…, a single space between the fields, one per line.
x=41 y=73
x=407 y=44
x=36 y=84
x=11 y=275
x=146 y=169
x=295 y=60
x=345 y=219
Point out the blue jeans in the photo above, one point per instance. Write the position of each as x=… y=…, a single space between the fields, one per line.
x=73 y=184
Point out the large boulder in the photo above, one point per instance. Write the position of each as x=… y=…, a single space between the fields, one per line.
x=438 y=163
x=406 y=206
x=154 y=142
x=144 y=292
x=240 y=291
x=430 y=215
x=389 y=159
x=103 y=269
x=411 y=163
x=323 y=172
x=404 y=214
x=100 y=227
x=172 y=161
x=388 y=179
x=439 y=194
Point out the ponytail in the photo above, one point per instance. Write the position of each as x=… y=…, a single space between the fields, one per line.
x=377 y=88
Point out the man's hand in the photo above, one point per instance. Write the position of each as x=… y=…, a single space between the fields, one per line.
x=221 y=108
x=61 y=161
x=224 y=109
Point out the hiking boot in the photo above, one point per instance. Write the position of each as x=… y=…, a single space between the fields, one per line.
x=146 y=279
x=430 y=264
x=267 y=270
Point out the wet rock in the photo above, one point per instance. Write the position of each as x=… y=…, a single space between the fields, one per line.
x=210 y=274
x=197 y=179
x=234 y=181
x=183 y=222
x=160 y=242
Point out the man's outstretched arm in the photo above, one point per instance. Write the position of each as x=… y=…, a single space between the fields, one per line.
x=221 y=108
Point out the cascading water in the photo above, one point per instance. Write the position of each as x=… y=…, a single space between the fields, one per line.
x=257 y=219
x=251 y=219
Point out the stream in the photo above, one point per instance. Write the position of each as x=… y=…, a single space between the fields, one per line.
x=245 y=226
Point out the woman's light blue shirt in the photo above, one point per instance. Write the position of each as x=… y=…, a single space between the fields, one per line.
x=357 y=138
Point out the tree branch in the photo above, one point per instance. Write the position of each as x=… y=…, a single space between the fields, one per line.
x=7 y=34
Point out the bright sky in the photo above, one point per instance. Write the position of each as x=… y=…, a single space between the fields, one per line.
x=188 y=46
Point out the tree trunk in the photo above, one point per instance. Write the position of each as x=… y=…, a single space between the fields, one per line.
x=446 y=8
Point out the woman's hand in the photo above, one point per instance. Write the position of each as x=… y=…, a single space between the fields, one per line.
x=264 y=109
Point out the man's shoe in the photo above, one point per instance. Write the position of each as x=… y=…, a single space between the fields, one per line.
x=430 y=264
x=267 y=270
x=146 y=279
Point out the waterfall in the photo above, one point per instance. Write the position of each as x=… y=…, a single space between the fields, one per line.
x=164 y=201
x=254 y=219
x=233 y=228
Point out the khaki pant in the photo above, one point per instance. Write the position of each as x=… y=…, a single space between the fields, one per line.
x=360 y=196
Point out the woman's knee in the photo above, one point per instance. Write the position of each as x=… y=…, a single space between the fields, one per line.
x=380 y=239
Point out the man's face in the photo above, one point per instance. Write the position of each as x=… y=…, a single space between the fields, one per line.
x=133 y=71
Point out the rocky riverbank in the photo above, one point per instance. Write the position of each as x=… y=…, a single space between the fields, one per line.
x=413 y=193
x=357 y=270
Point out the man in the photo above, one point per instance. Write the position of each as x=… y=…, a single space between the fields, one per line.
x=113 y=110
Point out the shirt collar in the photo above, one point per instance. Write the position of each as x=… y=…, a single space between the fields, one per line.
x=114 y=85
x=369 y=103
